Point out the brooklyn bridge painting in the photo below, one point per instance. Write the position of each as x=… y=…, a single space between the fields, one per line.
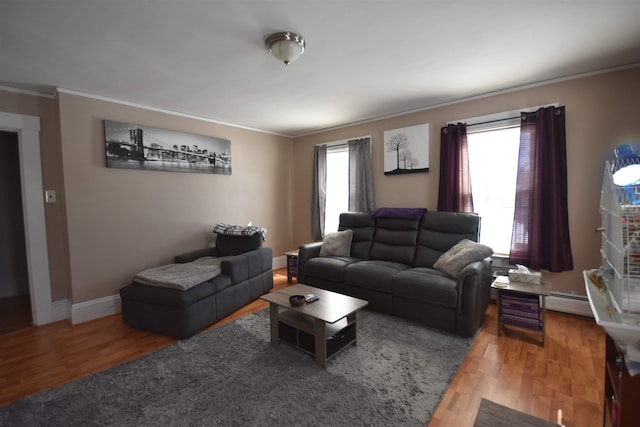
x=131 y=146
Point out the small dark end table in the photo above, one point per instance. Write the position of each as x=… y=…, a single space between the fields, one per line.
x=521 y=304
x=292 y=265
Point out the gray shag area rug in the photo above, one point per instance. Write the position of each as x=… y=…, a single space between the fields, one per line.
x=396 y=375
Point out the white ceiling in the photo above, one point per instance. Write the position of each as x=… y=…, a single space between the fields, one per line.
x=364 y=59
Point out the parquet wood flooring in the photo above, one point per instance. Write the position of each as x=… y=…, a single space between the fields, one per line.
x=513 y=369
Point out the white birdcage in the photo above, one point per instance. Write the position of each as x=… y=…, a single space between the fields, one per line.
x=615 y=301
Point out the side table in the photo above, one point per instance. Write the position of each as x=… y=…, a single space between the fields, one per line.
x=521 y=304
x=292 y=265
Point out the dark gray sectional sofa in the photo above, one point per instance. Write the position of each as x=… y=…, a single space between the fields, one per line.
x=391 y=265
x=246 y=275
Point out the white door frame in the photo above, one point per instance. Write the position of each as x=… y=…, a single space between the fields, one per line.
x=28 y=130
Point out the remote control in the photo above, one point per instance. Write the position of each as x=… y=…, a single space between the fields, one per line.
x=312 y=298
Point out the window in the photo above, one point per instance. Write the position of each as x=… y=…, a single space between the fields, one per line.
x=539 y=223
x=337 y=195
x=493 y=164
x=342 y=182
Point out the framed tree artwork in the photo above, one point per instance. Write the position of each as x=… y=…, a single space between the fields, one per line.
x=406 y=150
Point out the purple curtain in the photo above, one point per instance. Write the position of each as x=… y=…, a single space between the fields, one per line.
x=454 y=193
x=540 y=237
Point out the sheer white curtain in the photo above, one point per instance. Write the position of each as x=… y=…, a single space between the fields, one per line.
x=361 y=196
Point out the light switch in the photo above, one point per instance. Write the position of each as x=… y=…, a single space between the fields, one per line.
x=50 y=196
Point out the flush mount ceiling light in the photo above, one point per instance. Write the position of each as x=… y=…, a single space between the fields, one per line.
x=285 y=46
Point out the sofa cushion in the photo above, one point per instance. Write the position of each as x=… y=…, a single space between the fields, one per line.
x=440 y=231
x=460 y=255
x=174 y=297
x=426 y=285
x=248 y=264
x=337 y=244
x=414 y=213
x=395 y=240
x=363 y=226
x=375 y=275
x=330 y=268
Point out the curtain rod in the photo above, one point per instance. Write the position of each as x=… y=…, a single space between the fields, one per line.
x=344 y=142
x=334 y=144
x=493 y=121
x=499 y=117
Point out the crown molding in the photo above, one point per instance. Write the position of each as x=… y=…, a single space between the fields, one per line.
x=476 y=97
x=326 y=129
x=27 y=92
x=162 y=110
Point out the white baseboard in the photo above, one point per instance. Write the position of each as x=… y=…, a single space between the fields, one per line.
x=107 y=306
x=566 y=304
x=569 y=305
x=60 y=310
x=95 y=309
x=279 y=262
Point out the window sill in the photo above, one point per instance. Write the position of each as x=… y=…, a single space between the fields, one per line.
x=500 y=261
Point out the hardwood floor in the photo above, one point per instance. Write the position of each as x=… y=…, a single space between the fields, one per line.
x=513 y=370
x=565 y=375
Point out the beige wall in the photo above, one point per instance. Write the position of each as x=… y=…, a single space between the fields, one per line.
x=122 y=221
x=601 y=111
x=110 y=223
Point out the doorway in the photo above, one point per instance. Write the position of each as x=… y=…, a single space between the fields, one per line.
x=27 y=129
x=15 y=299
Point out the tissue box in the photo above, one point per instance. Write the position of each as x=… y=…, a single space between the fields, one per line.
x=525 y=277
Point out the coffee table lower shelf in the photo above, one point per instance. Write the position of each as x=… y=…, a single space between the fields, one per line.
x=298 y=329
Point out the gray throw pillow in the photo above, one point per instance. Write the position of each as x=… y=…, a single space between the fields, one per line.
x=460 y=255
x=337 y=244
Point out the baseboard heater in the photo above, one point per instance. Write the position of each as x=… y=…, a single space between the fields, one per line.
x=569 y=303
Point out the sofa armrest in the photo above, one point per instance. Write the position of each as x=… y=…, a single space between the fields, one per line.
x=474 y=289
x=476 y=268
x=247 y=265
x=305 y=253
x=194 y=255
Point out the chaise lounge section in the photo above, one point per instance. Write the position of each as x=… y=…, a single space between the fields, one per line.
x=246 y=273
x=395 y=261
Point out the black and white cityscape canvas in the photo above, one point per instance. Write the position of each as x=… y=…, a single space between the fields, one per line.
x=130 y=146
x=406 y=150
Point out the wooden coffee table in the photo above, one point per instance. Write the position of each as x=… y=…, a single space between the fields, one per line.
x=322 y=328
